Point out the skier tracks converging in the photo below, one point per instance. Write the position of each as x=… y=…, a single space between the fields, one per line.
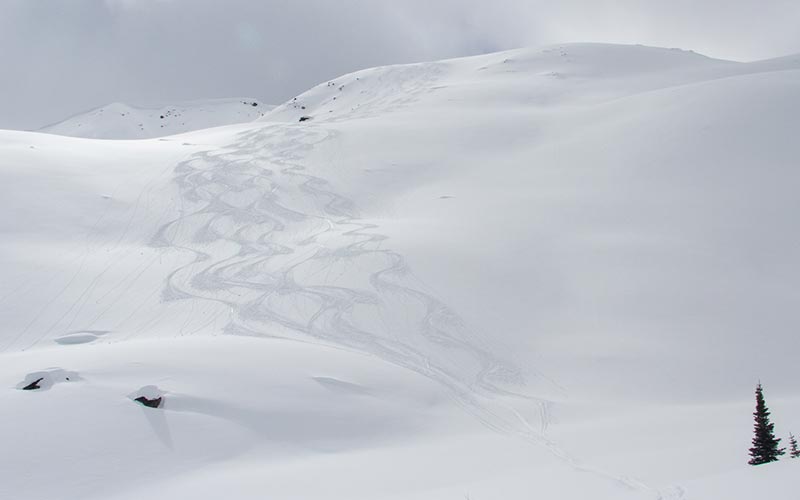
x=288 y=256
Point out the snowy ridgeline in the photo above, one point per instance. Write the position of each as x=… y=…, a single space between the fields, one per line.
x=546 y=273
x=123 y=121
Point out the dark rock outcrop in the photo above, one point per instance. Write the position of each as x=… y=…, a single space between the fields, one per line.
x=34 y=385
x=150 y=403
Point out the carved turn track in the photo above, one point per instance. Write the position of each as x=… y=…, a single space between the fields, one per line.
x=291 y=258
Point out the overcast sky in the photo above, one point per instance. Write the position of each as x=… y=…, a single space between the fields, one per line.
x=61 y=57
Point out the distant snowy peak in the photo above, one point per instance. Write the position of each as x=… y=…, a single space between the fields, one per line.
x=123 y=121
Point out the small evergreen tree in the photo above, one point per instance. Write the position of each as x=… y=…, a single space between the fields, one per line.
x=765 y=444
x=793 y=451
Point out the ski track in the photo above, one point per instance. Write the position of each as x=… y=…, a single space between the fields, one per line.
x=254 y=218
x=281 y=250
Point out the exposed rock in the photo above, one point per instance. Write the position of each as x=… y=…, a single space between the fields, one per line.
x=33 y=385
x=45 y=380
x=150 y=403
x=149 y=396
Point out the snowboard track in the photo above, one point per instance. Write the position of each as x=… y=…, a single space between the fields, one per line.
x=267 y=237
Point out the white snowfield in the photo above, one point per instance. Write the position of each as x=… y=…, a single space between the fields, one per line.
x=540 y=274
x=123 y=121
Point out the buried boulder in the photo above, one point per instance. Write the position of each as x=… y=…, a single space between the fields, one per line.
x=80 y=337
x=44 y=380
x=149 y=396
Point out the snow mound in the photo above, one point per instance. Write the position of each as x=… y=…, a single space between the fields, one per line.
x=80 y=337
x=123 y=121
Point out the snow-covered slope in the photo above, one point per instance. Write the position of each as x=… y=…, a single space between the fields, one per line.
x=546 y=273
x=122 y=121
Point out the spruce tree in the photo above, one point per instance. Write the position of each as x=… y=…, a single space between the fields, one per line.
x=765 y=444
x=793 y=451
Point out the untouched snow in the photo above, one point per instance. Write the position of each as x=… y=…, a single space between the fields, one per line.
x=545 y=273
x=122 y=121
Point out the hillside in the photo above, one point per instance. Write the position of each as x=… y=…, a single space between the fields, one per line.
x=544 y=273
x=122 y=121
